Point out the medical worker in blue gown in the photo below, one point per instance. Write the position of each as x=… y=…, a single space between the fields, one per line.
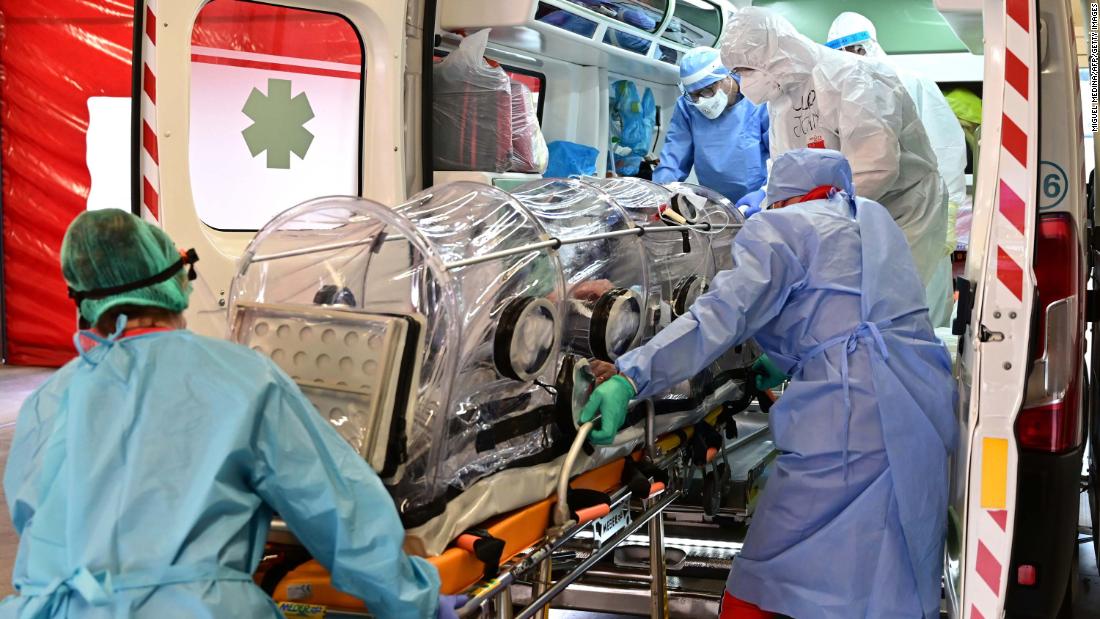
x=144 y=474
x=716 y=130
x=851 y=523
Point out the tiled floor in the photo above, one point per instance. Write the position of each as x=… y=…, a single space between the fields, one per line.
x=17 y=383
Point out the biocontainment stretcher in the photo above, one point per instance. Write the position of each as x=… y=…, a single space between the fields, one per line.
x=446 y=340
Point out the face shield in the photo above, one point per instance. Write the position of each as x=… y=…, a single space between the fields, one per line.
x=854 y=33
x=854 y=43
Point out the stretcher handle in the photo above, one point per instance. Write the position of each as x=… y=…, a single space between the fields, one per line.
x=466 y=542
x=656 y=488
x=588 y=514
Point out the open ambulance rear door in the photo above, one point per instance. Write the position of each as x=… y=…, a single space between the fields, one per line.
x=245 y=109
x=1016 y=474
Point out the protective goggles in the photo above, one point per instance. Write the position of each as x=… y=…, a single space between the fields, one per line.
x=706 y=91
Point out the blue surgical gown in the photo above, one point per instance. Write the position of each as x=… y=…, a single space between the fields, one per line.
x=729 y=153
x=852 y=521
x=143 y=477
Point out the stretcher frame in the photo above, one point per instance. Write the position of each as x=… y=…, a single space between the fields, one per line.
x=497 y=591
x=491 y=597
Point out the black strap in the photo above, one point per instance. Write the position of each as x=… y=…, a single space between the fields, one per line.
x=637 y=475
x=633 y=479
x=581 y=498
x=189 y=260
x=710 y=436
x=564 y=403
x=397 y=448
x=489 y=550
x=515 y=427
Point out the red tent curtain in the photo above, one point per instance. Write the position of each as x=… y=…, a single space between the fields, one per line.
x=54 y=55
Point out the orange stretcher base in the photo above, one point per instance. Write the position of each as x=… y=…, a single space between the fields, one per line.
x=458 y=569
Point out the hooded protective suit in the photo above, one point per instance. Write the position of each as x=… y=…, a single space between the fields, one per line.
x=852 y=522
x=940 y=123
x=943 y=128
x=822 y=98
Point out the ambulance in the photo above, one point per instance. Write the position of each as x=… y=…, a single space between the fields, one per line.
x=242 y=110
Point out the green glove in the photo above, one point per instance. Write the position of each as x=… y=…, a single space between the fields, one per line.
x=611 y=400
x=768 y=374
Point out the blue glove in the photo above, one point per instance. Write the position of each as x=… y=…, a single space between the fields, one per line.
x=752 y=210
x=752 y=199
x=611 y=400
x=448 y=604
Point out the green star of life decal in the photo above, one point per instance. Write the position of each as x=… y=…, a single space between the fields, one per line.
x=278 y=124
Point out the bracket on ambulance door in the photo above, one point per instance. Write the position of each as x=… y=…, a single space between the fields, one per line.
x=965 y=306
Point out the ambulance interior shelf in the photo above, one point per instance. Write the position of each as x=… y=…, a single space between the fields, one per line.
x=636 y=26
x=483 y=120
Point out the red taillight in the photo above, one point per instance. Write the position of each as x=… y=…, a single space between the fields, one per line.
x=1051 y=417
x=1027 y=575
x=1049 y=428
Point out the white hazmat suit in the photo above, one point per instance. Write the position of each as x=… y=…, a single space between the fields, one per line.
x=818 y=97
x=940 y=123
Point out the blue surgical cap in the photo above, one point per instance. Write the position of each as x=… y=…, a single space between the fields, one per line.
x=701 y=67
x=800 y=171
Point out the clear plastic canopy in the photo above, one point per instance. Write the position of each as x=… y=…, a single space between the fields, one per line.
x=604 y=277
x=442 y=338
x=470 y=337
x=709 y=206
x=677 y=260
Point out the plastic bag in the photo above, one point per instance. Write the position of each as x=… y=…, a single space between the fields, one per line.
x=633 y=120
x=529 y=153
x=963 y=223
x=472 y=111
x=571 y=159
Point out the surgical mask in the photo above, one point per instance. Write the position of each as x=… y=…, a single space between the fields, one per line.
x=759 y=87
x=712 y=106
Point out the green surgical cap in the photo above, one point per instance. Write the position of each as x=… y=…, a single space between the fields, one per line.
x=112 y=248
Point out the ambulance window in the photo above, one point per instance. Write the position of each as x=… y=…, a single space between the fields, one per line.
x=694 y=23
x=276 y=111
x=667 y=54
